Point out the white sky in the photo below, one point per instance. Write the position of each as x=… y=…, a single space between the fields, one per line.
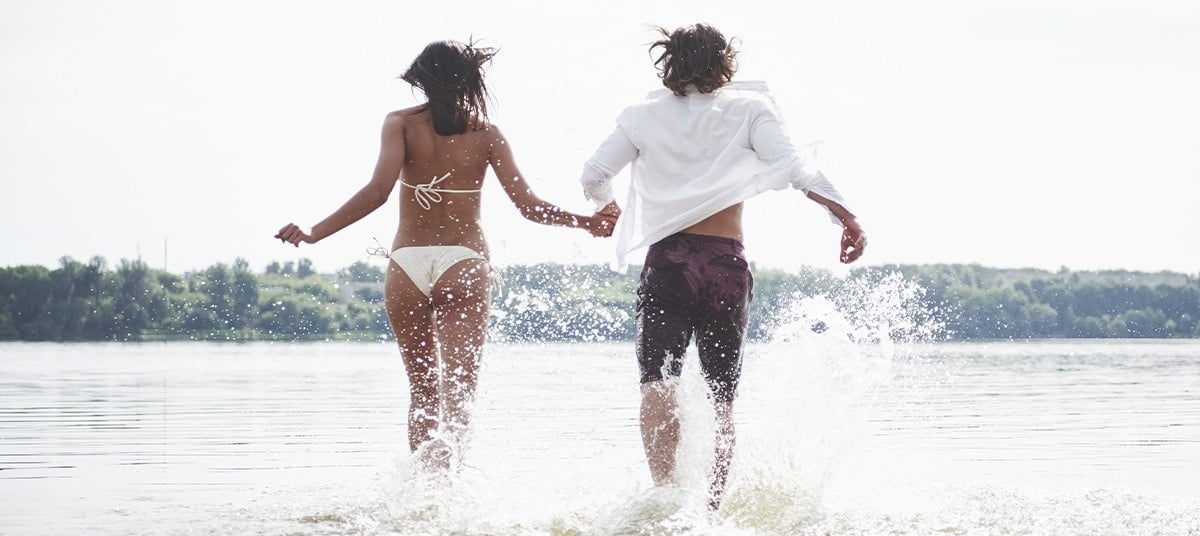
x=1028 y=133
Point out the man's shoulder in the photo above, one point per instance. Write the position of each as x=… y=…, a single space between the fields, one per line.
x=741 y=91
x=748 y=91
x=652 y=100
x=749 y=99
x=734 y=99
x=748 y=86
x=655 y=98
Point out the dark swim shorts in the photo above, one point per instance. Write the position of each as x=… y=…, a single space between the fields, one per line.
x=694 y=284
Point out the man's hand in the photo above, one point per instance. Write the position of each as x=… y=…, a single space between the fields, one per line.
x=854 y=241
x=605 y=220
x=601 y=226
x=611 y=209
x=294 y=235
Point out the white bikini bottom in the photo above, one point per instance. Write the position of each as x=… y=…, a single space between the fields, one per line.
x=426 y=264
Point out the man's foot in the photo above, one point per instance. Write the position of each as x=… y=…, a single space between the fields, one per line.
x=714 y=503
x=435 y=454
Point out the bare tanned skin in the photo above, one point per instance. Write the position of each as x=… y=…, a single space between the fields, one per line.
x=441 y=336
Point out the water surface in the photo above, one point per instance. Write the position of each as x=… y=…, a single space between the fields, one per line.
x=1071 y=437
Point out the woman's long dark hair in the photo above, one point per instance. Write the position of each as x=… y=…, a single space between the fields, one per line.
x=451 y=76
x=694 y=55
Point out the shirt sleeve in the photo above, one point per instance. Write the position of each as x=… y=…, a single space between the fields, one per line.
x=771 y=142
x=616 y=152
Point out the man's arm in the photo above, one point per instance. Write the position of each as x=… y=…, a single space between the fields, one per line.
x=614 y=153
x=771 y=142
x=854 y=240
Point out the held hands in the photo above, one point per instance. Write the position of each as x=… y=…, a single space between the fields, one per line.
x=854 y=240
x=294 y=235
x=604 y=220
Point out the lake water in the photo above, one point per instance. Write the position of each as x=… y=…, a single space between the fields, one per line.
x=835 y=437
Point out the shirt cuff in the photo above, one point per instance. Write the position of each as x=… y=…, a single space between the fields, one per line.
x=600 y=199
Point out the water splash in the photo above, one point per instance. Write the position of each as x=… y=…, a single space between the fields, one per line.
x=880 y=308
x=804 y=401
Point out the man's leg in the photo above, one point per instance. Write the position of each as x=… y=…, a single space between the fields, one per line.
x=664 y=326
x=719 y=343
x=723 y=454
x=660 y=429
x=662 y=338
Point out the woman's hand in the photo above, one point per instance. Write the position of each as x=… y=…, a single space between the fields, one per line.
x=294 y=235
x=600 y=225
x=604 y=220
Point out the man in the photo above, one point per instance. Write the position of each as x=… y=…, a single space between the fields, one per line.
x=698 y=150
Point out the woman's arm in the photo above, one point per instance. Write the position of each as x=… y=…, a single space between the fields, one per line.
x=532 y=207
x=369 y=197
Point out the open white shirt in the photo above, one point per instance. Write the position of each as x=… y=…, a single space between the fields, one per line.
x=695 y=155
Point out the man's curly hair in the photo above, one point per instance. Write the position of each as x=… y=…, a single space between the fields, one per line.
x=694 y=55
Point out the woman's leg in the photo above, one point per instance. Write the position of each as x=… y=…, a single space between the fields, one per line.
x=411 y=315
x=460 y=303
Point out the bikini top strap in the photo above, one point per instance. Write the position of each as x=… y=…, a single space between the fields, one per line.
x=428 y=193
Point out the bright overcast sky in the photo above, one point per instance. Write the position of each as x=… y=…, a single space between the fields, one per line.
x=1032 y=133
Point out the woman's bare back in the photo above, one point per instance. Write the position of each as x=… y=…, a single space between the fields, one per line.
x=441 y=330
x=441 y=184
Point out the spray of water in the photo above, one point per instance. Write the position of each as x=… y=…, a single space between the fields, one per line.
x=804 y=400
x=804 y=397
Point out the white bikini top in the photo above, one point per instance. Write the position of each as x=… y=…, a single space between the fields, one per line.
x=427 y=194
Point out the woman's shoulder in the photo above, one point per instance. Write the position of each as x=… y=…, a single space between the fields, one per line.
x=407 y=114
x=488 y=130
x=406 y=121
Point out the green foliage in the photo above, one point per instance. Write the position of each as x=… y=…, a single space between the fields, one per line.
x=563 y=302
x=990 y=303
x=361 y=271
x=90 y=301
x=26 y=293
x=139 y=299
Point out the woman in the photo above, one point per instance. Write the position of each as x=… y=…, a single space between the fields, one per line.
x=698 y=149
x=437 y=285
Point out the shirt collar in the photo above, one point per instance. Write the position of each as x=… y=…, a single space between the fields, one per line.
x=757 y=86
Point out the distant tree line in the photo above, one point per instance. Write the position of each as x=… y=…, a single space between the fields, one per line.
x=978 y=302
x=80 y=301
